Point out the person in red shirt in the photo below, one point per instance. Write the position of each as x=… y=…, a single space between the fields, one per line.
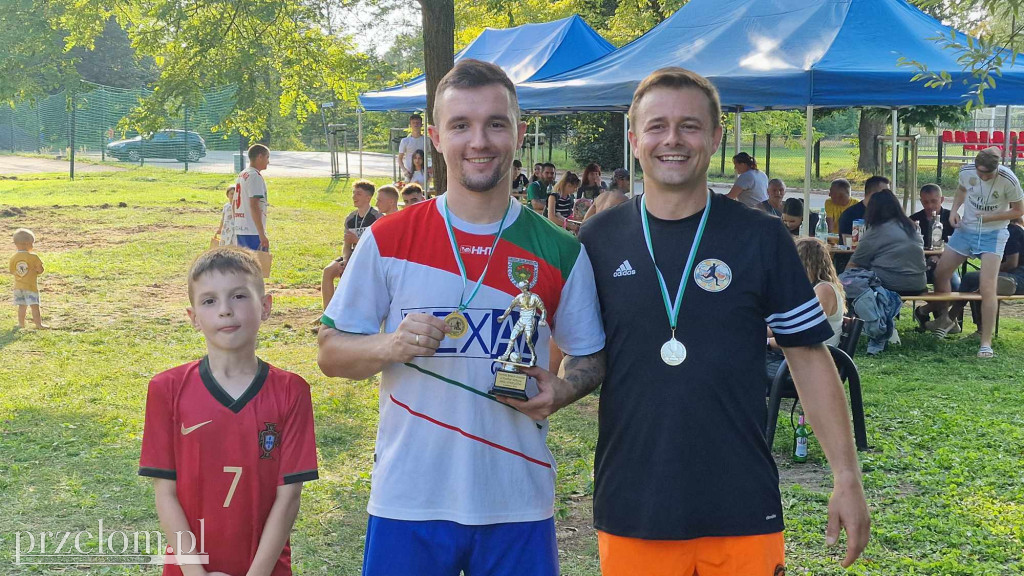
x=228 y=439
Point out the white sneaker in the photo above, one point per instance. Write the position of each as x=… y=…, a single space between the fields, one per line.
x=895 y=338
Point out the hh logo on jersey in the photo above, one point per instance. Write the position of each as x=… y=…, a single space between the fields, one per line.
x=269 y=439
x=475 y=250
x=485 y=337
x=22 y=268
x=520 y=270
x=712 y=275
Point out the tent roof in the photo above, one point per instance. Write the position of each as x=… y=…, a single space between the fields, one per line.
x=527 y=52
x=780 y=54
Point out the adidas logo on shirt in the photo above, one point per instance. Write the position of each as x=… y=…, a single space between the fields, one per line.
x=624 y=270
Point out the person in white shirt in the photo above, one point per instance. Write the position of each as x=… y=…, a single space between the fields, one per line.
x=991 y=195
x=409 y=144
x=250 y=214
x=225 y=234
x=419 y=171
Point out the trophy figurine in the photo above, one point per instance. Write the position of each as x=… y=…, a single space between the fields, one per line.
x=508 y=379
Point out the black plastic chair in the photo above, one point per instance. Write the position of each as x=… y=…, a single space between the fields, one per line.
x=782 y=384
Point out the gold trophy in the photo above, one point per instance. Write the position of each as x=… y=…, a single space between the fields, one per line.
x=508 y=379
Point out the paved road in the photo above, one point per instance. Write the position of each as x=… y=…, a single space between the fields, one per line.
x=296 y=164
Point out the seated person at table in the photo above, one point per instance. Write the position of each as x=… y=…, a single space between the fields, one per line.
x=562 y=199
x=1011 y=274
x=412 y=194
x=519 y=180
x=620 y=180
x=838 y=201
x=817 y=261
x=793 y=216
x=891 y=246
x=776 y=195
x=931 y=200
x=751 y=187
x=858 y=210
x=592 y=185
x=537 y=191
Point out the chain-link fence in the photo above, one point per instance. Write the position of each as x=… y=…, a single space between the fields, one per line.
x=85 y=121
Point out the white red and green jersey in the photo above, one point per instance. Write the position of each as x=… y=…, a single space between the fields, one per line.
x=249 y=184
x=228 y=455
x=446 y=450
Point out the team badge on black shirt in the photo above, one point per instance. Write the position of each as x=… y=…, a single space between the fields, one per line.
x=712 y=275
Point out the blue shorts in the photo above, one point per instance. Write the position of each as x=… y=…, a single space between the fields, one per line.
x=26 y=298
x=443 y=548
x=975 y=243
x=250 y=241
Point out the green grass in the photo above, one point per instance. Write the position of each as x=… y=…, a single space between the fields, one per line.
x=944 y=478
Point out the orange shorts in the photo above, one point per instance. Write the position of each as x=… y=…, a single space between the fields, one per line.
x=762 y=555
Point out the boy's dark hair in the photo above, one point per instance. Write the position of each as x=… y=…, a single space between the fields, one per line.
x=412 y=188
x=470 y=73
x=415 y=117
x=517 y=163
x=227 y=260
x=365 y=185
x=257 y=150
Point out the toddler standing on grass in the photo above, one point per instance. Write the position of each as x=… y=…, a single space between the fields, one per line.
x=26 y=266
x=226 y=231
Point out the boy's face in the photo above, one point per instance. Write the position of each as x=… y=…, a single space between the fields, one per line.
x=414 y=198
x=386 y=204
x=261 y=162
x=792 y=222
x=361 y=198
x=228 y=310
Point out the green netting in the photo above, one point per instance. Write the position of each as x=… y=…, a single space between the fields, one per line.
x=46 y=125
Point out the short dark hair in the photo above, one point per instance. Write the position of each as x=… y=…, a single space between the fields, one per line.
x=548 y=165
x=931 y=189
x=744 y=158
x=793 y=207
x=678 y=78
x=415 y=117
x=875 y=184
x=365 y=185
x=412 y=188
x=226 y=260
x=517 y=163
x=541 y=164
x=257 y=150
x=470 y=73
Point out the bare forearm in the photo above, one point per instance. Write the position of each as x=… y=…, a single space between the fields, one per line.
x=175 y=524
x=583 y=374
x=1014 y=212
x=276 y=530
x=352 y=356
x=821 y=393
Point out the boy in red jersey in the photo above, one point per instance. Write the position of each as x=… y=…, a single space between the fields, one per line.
x=229 y=439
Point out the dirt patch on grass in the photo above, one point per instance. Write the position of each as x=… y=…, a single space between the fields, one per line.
x=575 y=532
x=808 y=475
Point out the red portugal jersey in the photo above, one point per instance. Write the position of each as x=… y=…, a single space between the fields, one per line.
x=228 y=455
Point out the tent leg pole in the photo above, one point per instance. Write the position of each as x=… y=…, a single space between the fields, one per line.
x=536 y=137
x=895 y=128
x=805 y=227
x=632 y=170
x=625 y=140
x=739 y=113
x=1006 y=133
x=360 y=116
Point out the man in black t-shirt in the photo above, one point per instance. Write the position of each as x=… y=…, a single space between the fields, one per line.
x=683 y=476
x=931 y=202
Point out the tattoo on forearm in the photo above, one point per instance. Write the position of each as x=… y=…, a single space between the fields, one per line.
x=584 y=373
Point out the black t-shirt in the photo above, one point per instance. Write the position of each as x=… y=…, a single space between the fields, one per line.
x=1015 y=244
x=855 y=212
x=681 y=452
x=563 y=206
x=521 y=182
x=924 y=221
x=358 y=224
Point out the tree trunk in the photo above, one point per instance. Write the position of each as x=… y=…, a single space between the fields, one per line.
x=872 y=124
x=438 y=59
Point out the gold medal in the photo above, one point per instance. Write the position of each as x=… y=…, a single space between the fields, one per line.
x=457 y=324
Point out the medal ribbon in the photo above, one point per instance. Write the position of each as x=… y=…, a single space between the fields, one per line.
x=673 y=308
x=463 y=302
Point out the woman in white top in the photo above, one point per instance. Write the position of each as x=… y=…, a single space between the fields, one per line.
x=817 y=261
x=751 y=187
x=419 y=175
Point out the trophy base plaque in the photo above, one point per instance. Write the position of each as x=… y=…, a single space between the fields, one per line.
x=509 y=382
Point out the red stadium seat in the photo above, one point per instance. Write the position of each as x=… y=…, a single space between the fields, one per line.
x=947 y=136
x=998 y=137
x=972 y=141
x=983 y=137
x=959 y=137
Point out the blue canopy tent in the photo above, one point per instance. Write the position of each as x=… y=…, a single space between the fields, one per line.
x=527 y=52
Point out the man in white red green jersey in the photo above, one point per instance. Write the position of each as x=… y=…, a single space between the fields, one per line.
x=462 y=481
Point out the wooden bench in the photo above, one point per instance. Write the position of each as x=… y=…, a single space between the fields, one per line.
x=960 y=296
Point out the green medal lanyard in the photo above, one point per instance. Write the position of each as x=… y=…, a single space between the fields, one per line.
x=672 y=308
x=463 y=301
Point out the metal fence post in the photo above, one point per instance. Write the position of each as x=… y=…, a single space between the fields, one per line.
x=71 y=134
x=753 y=146
x=725 y=140
x=186 y=139
x=768 y=155
x=1014 y=147
x=938 y=167
x=817 y=159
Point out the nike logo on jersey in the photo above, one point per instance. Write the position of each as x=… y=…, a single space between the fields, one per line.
x=191 y=429
x=624 y=270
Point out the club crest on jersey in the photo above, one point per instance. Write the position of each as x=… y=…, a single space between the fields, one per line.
x=712 y=275
x=520 y=270
x=973 y=181
x=269 y=439
x=22 y=268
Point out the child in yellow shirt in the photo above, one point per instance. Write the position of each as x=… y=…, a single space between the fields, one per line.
x=26 y=266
